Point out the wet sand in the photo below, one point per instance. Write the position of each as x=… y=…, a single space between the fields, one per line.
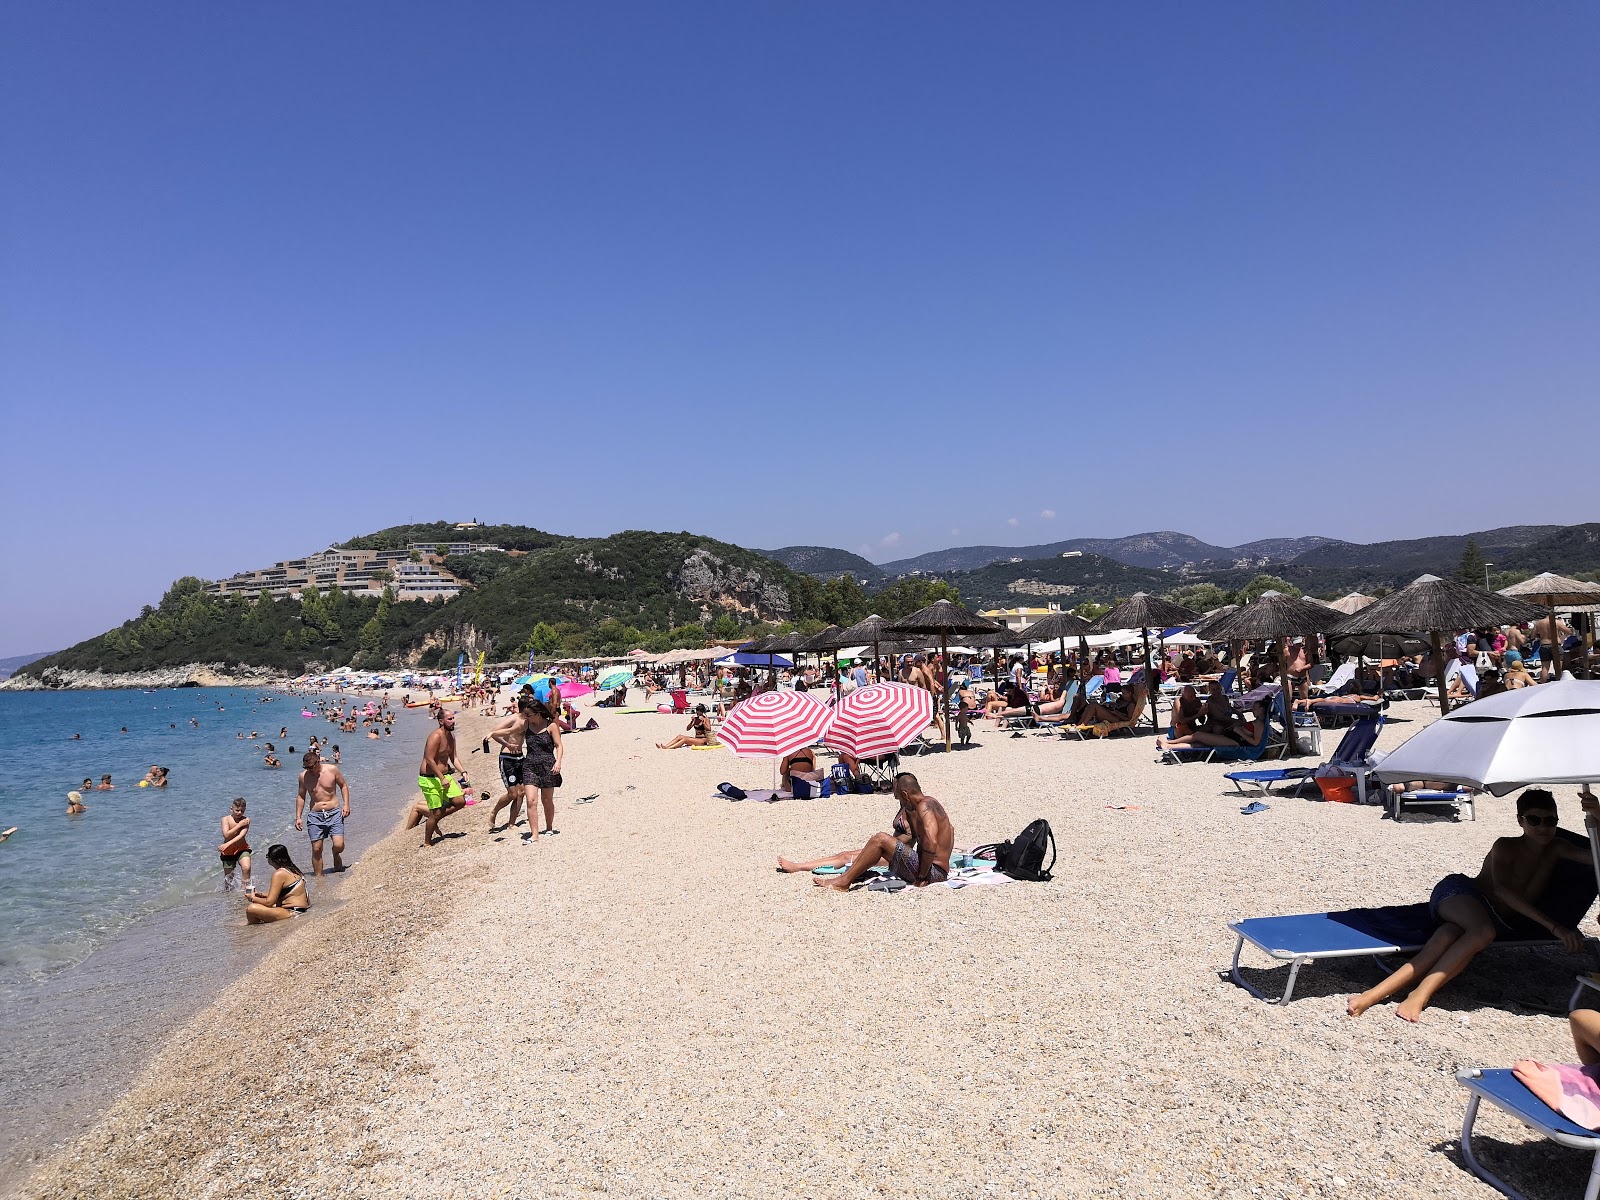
x=641 y=1005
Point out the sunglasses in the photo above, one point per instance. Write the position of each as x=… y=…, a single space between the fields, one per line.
x=1537 y=821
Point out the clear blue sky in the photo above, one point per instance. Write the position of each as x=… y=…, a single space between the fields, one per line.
x=844 y=274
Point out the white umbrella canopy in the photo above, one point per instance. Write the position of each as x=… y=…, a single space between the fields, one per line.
x=1540 y=735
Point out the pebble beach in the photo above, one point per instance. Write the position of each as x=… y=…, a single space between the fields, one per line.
x=643 y=1006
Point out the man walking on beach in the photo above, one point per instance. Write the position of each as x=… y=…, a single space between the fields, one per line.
x=512 y=735
x=322 y=783
x=441 y=794
x=924 y=860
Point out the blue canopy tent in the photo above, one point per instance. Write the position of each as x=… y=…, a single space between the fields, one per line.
x=741 y=659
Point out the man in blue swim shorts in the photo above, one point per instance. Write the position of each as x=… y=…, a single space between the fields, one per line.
x=321 y=783
x=1473 y=912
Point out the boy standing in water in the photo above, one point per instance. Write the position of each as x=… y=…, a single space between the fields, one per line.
x=235 y=848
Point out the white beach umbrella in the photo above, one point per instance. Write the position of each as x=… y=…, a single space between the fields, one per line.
x=1542 y=735
x=1548 y=734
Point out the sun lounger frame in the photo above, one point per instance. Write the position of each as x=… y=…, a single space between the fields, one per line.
x=1497 y=1088
x=1375 y=948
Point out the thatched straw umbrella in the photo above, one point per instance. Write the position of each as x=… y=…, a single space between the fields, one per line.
x=818 y=643
x=1434 y=605
x=867 y=630
x=1352 y=602
x=1060 y=626
x=944 y=618
x=1553 y=590
x=1276 y=616
x=1145 y=612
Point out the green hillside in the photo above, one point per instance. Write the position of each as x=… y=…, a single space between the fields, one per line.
x=572 y=596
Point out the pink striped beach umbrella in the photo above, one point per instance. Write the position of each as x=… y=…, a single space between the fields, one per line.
x=773 y=724
x=880 y=719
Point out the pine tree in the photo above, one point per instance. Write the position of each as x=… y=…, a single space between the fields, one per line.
x=1471 y=571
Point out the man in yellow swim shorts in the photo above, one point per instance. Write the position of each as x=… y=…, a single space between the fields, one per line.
x=441 y=792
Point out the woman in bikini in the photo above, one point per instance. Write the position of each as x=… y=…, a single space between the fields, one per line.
x=285 y=896
x=699 y=734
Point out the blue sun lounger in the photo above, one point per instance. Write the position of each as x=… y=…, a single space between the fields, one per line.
x=1350 y=754
x=1505 y=1091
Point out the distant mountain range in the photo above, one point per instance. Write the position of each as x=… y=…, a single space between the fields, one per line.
x=10 y=666
x=1544 y=547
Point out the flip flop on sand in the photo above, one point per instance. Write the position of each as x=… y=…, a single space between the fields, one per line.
x=1254 y=807
x=826 y=870
x=587 y=799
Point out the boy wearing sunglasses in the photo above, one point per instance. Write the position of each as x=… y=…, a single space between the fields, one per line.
x=1473 y=912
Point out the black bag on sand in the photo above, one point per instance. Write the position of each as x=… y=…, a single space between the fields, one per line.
x=731 y=792
x=1023 y=857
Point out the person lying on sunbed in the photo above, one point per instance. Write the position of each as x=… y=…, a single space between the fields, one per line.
x=923 y=860
x=1220 y=729
x=1120 y=711
x=1365 y=686
x=1008 y=700
x=1472 y=912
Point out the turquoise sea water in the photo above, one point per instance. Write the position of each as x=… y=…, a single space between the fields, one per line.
x=116 y=919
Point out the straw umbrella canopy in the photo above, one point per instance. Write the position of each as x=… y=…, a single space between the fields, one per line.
x=819 y=642
x=1436 y=605
x=1554 y=591
x=1060 y=626
x=1145 y=612
x=867 y=630
x=945 y=618
x=1352 y=602
x=1275 y=615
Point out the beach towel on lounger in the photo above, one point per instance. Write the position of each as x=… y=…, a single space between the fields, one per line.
x=1571 y=1090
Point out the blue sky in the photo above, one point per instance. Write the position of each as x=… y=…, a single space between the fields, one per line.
x=855 y=275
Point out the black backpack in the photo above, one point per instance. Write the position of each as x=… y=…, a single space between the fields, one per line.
x=1023 y=857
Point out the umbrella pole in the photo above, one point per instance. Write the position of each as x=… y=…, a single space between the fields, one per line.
x=1555 y=640
x=944 y=694
x=1438 y=662
x=1152 y=682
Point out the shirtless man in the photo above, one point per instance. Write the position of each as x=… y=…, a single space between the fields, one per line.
x=322 y=783
x=1298 y=664
x=512 y=735
x=1473 y=912
x=923 y=860
x=441 y=792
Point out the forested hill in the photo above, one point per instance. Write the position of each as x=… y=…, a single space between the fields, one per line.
x=569 y=596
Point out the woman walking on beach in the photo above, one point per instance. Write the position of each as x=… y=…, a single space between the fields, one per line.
x=285 y=896
x=541 y=767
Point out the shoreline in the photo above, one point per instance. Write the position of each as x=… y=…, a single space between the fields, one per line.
x=199 y=949
x=643 y=1006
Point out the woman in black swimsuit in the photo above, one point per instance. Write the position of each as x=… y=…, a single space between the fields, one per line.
x=541 y=766
x=285 y=896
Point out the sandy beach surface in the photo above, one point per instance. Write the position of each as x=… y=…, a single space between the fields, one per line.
x=643 y=1006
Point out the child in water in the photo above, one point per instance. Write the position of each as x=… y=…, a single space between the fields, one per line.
x=235 y=847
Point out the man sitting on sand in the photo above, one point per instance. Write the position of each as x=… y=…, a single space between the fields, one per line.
x=922 y=860
x=1472 y=912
